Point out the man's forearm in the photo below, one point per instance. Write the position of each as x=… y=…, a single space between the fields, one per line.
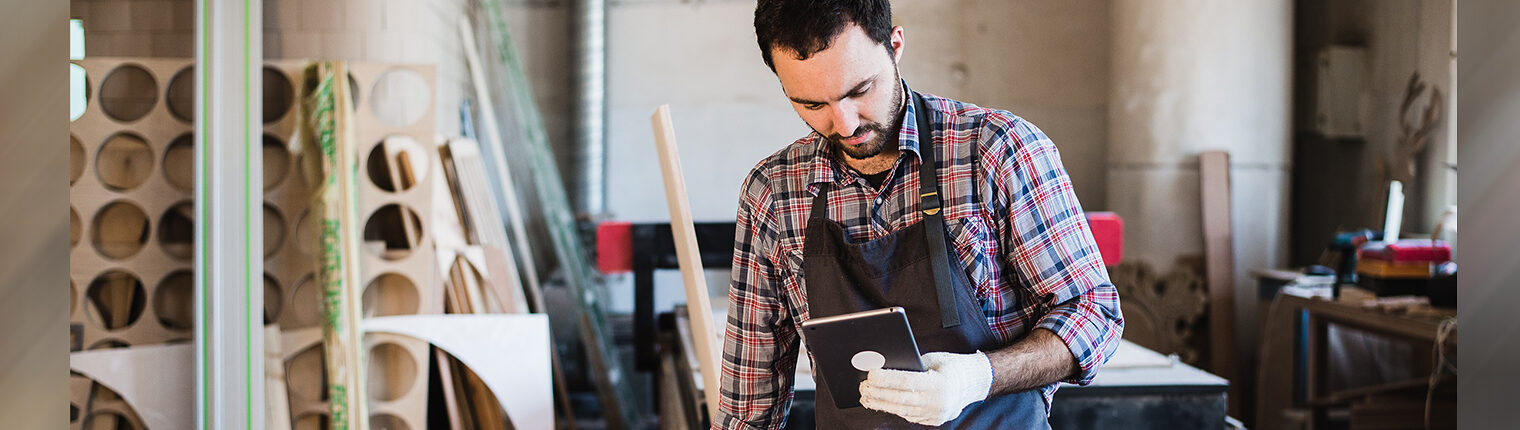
x=1039 y=359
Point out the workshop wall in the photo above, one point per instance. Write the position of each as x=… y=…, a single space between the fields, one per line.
x=1337 y=183
x=1044 y=61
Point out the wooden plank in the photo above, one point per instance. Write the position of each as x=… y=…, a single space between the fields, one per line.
x=328 y=134
x=276 y=398
x=446 y=375
x=687 y=254
x=1218 y=245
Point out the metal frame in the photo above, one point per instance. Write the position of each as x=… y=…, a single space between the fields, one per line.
x=229 y=264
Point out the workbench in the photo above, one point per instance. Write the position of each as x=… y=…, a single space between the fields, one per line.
x=1294 y=373
x=1137 y=389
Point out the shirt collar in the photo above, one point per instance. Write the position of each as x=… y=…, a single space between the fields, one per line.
x=825 y=169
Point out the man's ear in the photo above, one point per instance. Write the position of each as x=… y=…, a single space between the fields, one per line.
x=897 y=41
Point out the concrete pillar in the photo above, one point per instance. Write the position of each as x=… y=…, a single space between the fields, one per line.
x=1193 y=75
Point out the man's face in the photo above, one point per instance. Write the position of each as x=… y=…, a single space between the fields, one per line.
x=850 y=93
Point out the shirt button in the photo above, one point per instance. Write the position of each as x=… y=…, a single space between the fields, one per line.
x=878 y=200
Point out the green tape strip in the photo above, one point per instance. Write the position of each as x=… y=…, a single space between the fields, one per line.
x=203 y=215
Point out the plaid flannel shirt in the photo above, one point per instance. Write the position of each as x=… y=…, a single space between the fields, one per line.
x=1009 y=207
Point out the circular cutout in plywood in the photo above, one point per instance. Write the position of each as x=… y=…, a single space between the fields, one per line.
x=76 y=227
x=76 y=159
x=391 y=373
x=306 y=233
x=115 y=300
x=271 y=299
x=123 y=162
x=306 y=303
x=79 y=91
x=400 y=97
x=387 y=422
x=128 y=92
x=274 y=231
x=179 y=163
x=279 y=96
x=276 y=161
x=306 y=375
x=181 y=94
x=390 y=294
x=107 y=344
x=392 y=232
x=119 y=230
x=176 y=231
x=109 y=420
x=397 y=163
x=315 y=421
x=174 y=301
x=303 y=171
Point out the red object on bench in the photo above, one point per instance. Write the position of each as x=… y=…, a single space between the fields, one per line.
x=1108 y=231
x=614 y=247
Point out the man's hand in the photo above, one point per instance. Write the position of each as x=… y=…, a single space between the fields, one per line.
x=934 y=396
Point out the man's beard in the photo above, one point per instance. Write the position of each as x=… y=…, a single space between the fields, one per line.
x=873 y=147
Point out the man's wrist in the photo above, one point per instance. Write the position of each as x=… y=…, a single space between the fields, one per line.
x=1040 y=358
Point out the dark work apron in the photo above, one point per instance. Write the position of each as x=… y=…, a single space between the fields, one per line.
x=910 y=268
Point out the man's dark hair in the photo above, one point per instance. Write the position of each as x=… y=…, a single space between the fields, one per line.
x=806 y=27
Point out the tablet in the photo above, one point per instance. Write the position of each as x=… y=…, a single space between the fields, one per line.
x=846 y=346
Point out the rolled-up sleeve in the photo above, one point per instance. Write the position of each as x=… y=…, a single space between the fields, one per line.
x=1049 y=245
x=760 y=343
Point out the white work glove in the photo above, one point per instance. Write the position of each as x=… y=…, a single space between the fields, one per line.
x=932 y=397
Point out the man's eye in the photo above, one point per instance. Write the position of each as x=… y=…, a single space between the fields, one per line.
x=812 y=106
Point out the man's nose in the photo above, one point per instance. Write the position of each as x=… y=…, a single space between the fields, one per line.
x=846 y=118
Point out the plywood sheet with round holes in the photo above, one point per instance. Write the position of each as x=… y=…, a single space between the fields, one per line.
x=387 y=422
x=393 y=232
x=119 y=230
x=128 y=92
x=176 y=231
x=395 y=163
x=305 y=304
x=306 y=234
x=76 y=227
x=399 y=97
x=124 y=161
x=120 y=196
x=272 y=299
x=391 y=294
x=179 y=163
x=76 y=159
x=392 y=371
x=174 y=301
x=276 y=161
x=180 y=96
x=279 y=96
x=107 y=343
x=274 y=230
x=306 y=375
x=312 y=421
x=116 y=300
x=394 y=386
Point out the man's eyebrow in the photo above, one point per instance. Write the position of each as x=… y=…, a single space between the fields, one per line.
x=853 y=90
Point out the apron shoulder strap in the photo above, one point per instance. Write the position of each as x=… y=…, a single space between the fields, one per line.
x=930 y=203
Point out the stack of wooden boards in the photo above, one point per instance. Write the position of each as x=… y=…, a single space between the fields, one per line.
x=421 y=226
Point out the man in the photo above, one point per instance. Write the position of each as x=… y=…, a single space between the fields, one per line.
x=961 y=214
